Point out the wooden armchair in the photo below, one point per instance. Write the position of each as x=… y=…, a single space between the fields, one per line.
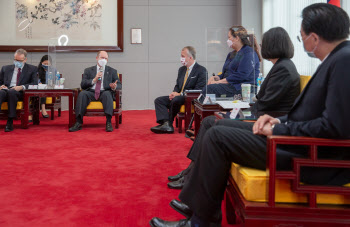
x=187 y=109
x=33 y=107
x=95 y=108
x=278 y=198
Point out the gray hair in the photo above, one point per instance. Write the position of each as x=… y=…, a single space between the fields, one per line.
x=191 y=51
x=21 y=51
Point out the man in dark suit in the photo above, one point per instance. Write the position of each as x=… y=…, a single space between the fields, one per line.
x=322 y=110
x=99 y=83
x=14 y=79
x=191 y=76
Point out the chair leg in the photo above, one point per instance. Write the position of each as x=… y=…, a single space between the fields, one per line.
x=59 y=112
x=117 y=121
x=120 y=118
x=177 y=121
x=52 y=113
x=180 y=124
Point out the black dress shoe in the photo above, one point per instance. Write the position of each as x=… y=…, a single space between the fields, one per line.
x=156 y=127
x=157 y=222
x=181 y=208
x=109 y=127
x=45 y=116
x=177 y=184
x=76 y=127
x=166 y=127
x=176 y=177
x=189 y=133
x=9 y=127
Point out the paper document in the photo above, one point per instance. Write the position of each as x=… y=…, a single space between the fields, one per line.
x=233 y=104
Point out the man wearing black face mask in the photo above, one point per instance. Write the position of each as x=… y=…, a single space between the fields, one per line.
x=13 y=80
x=191 y=76
x=322 y=110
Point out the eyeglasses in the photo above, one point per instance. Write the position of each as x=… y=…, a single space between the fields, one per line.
x=298 y=38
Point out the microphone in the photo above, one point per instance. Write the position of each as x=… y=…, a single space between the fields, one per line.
x=101 y=69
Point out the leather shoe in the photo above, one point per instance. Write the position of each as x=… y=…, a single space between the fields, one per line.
x=109 y=127
x=156 y=127
x=189 y=133
x=166 y=127
x=9 y=127
x=157 y=222
x=181 y=208
x=176 y=177
x=76 y=127
x=177 y=184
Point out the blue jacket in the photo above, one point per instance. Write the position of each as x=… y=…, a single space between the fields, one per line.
x=243 y=68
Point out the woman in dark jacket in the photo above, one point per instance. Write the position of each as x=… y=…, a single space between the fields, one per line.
x=241 y=66
x=43 y=66
x=282 y=84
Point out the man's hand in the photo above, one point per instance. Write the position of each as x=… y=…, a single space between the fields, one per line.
x=173 y=95
x=3 y=87
x=212 y=79
x=17 y=88
x=98 y=75
x=263 y=125
x=113 y=85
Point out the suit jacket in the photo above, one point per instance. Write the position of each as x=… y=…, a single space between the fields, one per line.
x=27 y=77
x=322 y=110
x=279 y=90
x=243 y=68
x=110 y=76
x=195 y=81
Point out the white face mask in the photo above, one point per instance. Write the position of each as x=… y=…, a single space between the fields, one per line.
x=311 y=53
x=102 y=62
x=229 y=43
x=183 y=61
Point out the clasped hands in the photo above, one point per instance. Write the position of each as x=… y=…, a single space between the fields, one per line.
x=17 y=88
x=263 y=126
x=214 y=80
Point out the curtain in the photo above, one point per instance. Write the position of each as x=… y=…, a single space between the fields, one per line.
x=287 y=14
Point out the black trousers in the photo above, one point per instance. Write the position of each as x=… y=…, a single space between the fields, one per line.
x=12 y=97
x=229 y=141
x=166 y=109
x=86 y=96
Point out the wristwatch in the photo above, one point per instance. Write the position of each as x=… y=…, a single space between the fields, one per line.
x=272 y=127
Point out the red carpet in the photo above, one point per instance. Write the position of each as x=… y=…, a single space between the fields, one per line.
x=50 y=177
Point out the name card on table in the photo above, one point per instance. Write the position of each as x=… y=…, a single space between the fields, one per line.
x=33 y=87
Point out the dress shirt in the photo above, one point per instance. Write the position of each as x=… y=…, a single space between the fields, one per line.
x=14 y=77
x=103 y=72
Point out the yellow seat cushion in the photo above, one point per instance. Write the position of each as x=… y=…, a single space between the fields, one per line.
x=5 y=107
x=182 y=109
x=303 y=81
x=253 y=185
x=97 y=105
x=48 y=100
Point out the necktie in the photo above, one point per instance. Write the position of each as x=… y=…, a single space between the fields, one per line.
x=18 y=75
x=98 y=89
x=183 y=86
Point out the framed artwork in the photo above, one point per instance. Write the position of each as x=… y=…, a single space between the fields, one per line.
x=70 y=25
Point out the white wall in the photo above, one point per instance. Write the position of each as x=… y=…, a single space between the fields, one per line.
x=150 y=69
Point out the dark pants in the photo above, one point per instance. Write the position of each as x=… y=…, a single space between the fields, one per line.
x=12 y=97
x=166 y=109
x=229 y=141
x=221 y=89
x=86 y=96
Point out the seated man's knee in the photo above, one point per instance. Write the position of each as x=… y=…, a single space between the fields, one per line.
x=209 y=121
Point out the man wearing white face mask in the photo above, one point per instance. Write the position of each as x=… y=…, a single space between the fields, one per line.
x=13 y=80
x=191 y=76
x=99 y=83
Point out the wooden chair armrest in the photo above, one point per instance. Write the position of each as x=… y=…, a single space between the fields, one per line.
x=311 y=161
x=118 y=94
